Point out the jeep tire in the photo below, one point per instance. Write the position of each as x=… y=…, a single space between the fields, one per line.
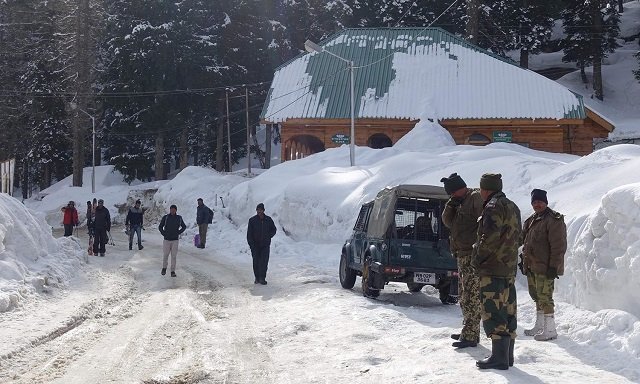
x=367 y=274
x=347 y=275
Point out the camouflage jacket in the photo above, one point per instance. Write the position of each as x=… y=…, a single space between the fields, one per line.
x=544 y=239
x=499 y=229
x=462 y=220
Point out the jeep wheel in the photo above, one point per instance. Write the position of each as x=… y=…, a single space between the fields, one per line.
x=415 y=287
x=367 y=291
x=347 y=275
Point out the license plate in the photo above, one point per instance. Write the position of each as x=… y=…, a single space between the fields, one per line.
x=424 y=278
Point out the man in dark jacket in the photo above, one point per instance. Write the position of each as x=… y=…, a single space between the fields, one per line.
x=204 y=217
x=495 y=256
x=544 y=245
x=259 y=233
x=460 y=215
x=171 y=226
x=101 y=225
x=134 y=223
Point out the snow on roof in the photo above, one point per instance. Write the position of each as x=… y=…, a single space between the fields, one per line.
x=407 y=73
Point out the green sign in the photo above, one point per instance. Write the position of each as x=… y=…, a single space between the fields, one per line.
x=502 y=136
x=340 y=138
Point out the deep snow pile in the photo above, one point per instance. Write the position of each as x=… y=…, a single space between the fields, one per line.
x=31 y=260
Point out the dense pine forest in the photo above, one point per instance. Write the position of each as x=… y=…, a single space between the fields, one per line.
x=160 y=84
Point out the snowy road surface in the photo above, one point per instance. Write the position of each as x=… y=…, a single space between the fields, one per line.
x=120 y=321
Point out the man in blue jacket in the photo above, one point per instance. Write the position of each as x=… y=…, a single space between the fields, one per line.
x=171 y=226
x=259 y=233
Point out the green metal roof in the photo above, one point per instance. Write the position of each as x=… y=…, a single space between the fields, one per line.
x=445 y=66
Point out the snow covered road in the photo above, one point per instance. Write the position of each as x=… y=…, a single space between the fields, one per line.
x=122 y=322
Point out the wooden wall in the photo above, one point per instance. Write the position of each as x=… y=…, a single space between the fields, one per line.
x=568 y=136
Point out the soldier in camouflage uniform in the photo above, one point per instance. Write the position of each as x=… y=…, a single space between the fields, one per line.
x=544 y=245
x=495 y=258
x=460 y=215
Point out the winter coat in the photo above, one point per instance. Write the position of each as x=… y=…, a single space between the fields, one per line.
x=70 y=216
x=544 y=240
x=102 y=219
x=89 y=217
x=461 y=217
x=134 y=217
x=260 y=231
x=204 y=215
x=499 y=230
x=171 y=226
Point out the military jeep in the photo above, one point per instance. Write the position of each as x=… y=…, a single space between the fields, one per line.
x=400 y=237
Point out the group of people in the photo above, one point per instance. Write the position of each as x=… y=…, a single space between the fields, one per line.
x=485 y=235
x=260 y=230
x=98 y=224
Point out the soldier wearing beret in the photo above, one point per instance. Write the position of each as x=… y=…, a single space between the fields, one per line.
x=544 y=239
x=495 y=258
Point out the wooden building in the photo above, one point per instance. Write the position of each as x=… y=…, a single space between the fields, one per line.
x=403 y=75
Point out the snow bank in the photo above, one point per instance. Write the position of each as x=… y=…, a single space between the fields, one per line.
x=31 y=260
x=604 y=261
x=190 y=184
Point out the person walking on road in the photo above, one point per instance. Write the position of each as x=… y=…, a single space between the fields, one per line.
x=171 y=226
x=69 y=218
x=101 y=225
x=204 y=217
x=495 y=257
x=134 y=222
x=544 y=245
x=460 y=215
x=259 y=233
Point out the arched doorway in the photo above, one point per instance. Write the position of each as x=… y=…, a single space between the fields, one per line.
x=301 y=146
x=478 y=139
x=378 y=141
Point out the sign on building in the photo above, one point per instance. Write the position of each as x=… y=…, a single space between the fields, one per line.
x=340 y=138
x=502 y=137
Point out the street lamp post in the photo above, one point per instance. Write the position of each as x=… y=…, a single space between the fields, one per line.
x=74 y=106
x=311 y=47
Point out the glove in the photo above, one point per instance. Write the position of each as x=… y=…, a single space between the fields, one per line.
x=454 y=201
x=552 y=273
x=521 y=265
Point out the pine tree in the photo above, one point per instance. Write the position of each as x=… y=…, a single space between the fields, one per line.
x=591 y=28
x=528 y=24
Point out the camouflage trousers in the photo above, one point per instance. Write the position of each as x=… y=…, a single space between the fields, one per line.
x=541 y=291
x=499 y=306
x=469 y=288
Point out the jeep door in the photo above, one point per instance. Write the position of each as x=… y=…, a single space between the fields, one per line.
x=359 y=241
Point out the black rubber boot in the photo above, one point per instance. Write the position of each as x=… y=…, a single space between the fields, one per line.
x=455 y=336
x=464 y=343
x=499 y=358
x=512 y=344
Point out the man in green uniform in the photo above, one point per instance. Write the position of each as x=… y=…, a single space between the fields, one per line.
x=460 y=215
x=544 y=245
x=495 y=258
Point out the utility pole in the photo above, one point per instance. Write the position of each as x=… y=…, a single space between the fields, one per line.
x=228 y=130
x=246 y=99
